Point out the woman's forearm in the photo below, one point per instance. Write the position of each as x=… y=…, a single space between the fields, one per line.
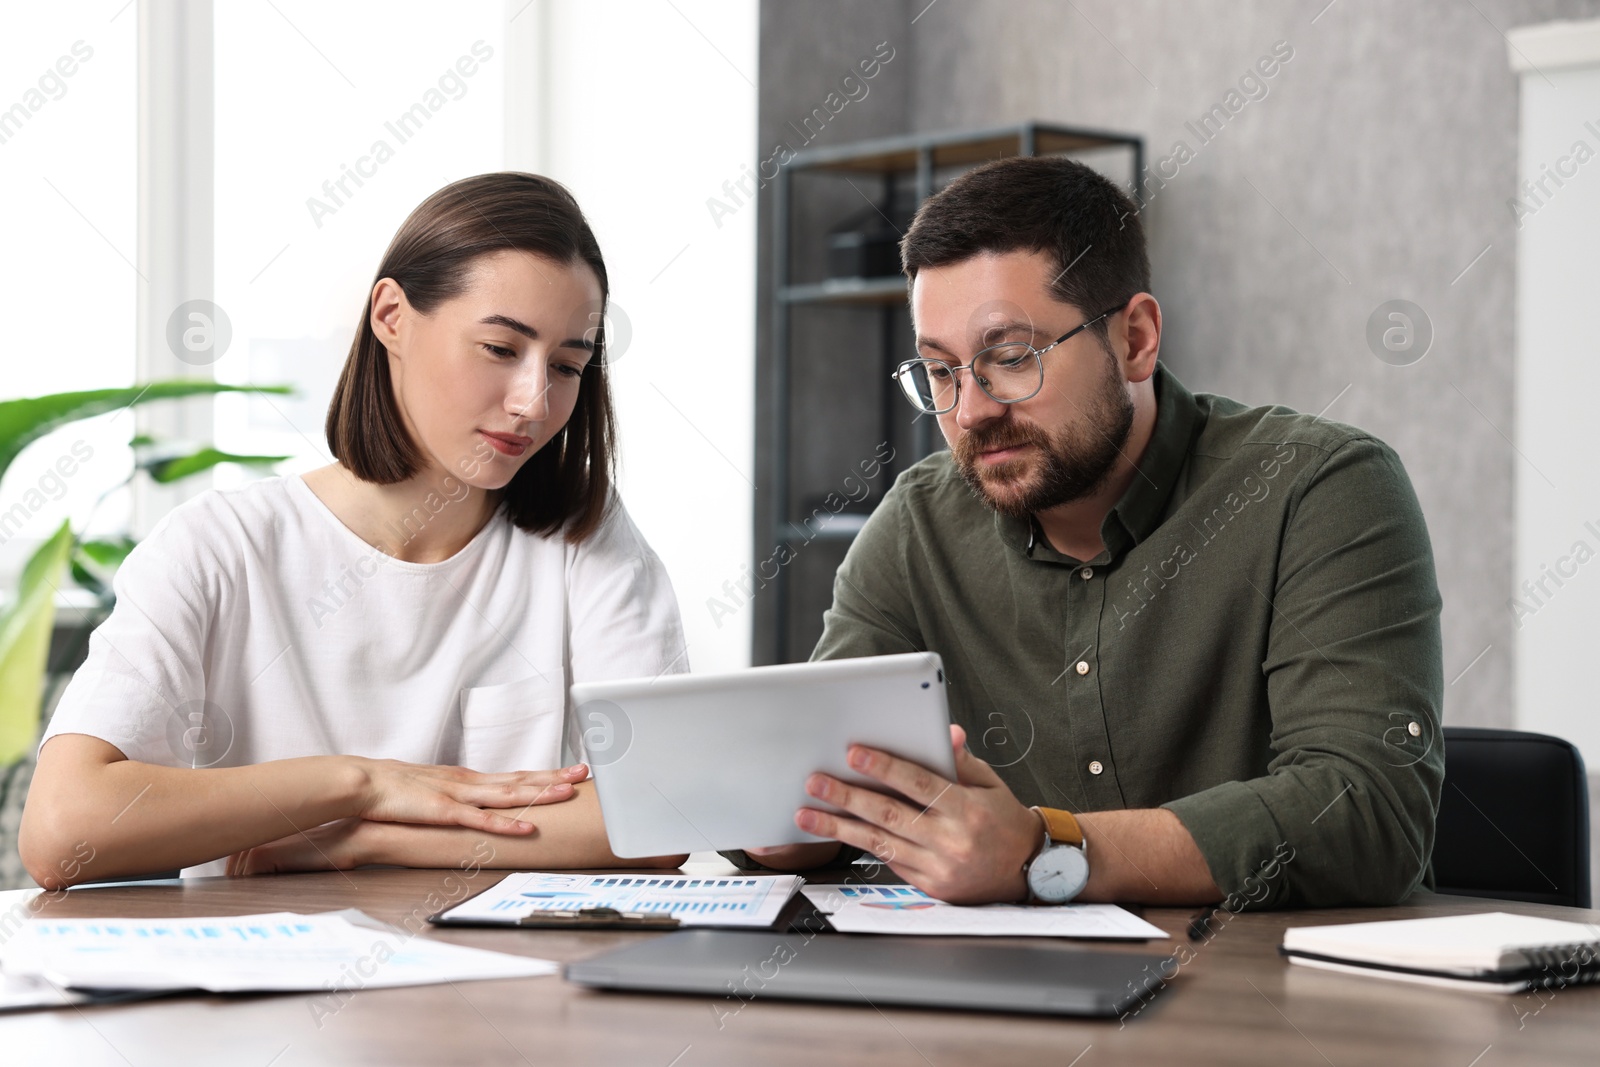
x=570 y=835
x=92 y=814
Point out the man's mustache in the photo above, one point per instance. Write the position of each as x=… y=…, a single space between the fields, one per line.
x=993 y=437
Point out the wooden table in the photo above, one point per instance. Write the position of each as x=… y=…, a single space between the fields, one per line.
x=1233 y=1001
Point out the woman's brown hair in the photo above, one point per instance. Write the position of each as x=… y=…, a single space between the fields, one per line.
x=567 y=483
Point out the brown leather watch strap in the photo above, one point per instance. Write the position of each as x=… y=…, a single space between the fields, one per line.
x=1061 y=826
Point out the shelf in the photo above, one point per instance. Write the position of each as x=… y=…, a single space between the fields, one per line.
x=841 y=527
x=886 y=290
x=900 y=154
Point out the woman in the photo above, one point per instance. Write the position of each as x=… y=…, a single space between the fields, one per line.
x=298 y=673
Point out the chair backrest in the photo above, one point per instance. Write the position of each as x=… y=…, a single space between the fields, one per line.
x=1514 y=818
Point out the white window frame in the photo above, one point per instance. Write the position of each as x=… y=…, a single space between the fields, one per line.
x=176 y=223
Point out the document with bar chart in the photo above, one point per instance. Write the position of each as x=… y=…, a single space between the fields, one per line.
x=904 y=909
x=741 y=900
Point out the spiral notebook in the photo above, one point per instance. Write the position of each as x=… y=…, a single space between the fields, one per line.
x=1491 y=952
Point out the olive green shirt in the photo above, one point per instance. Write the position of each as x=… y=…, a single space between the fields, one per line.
x=1257 y=648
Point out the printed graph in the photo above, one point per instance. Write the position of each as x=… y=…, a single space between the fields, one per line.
x=705 y=901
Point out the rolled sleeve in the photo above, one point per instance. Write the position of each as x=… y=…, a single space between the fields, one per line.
x=1355 y=685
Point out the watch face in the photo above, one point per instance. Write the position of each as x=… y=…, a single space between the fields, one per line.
x=1058 y=874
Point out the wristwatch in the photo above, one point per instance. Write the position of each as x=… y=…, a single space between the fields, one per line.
x=1060 y=869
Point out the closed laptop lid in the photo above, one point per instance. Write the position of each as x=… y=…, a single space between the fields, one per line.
x=742 y=965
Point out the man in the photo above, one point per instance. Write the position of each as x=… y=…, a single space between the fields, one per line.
x=1199 y=640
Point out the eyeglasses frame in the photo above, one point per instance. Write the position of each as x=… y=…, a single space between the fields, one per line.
x=906 y=366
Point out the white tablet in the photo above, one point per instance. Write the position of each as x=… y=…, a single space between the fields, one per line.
x=695 y=762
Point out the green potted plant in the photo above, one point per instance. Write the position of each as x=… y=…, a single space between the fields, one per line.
x=27 y=620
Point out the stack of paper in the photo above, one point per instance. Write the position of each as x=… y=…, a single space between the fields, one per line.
x=904 y=909
x=738 y=900
x=250 y=953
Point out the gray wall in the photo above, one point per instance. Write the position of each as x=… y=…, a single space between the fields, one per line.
x=1376 y=167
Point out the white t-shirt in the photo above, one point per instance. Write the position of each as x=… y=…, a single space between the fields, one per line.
x=253 y=625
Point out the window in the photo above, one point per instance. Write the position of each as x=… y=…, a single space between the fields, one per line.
x=330 y=122
x=333 y=121
x=67 y=171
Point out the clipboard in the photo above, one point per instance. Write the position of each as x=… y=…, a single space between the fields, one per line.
x=596 y=918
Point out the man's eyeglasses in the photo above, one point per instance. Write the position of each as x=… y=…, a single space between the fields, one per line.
x=1009 y=372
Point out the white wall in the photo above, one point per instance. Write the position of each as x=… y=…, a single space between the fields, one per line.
x=1556 y=601
x=650 y=108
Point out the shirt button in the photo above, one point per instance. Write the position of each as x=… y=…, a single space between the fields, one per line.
x=1095 y=767
x=1086 y=573
x=1083 y=666
x=1413 y=729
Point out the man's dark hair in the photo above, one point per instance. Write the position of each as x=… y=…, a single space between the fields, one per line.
x=567 y=483
x=1049 y=204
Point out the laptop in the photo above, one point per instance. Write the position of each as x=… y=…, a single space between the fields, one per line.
x=739 y=965
x=700 y=762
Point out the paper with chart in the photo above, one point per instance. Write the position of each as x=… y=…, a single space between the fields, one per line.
x=904 y=909
x=745 y=900
x=20 y=992
x=246 y=953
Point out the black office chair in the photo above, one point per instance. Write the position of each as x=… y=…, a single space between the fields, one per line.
x=1514 y=818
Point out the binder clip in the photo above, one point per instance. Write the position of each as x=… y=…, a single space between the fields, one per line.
x=599 y=919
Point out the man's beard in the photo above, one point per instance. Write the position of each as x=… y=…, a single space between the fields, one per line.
x=1068 y=466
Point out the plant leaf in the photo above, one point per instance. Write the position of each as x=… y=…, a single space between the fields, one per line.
x=25 y=627
x=96 y=562
x=25 y=421
x=171 y=468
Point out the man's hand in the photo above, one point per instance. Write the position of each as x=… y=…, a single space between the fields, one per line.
x=964 y=841
x=801 y=857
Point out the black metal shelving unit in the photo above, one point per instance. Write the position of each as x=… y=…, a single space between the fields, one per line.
x=916 y=164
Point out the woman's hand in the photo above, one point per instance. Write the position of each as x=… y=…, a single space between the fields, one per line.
x=334 y=846
x=437 y=795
